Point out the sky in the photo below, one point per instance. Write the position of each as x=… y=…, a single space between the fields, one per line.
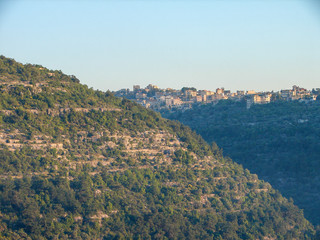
x=109 y=45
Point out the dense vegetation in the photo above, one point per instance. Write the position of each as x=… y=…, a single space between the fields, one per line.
x=82 y=164
x=279 y=141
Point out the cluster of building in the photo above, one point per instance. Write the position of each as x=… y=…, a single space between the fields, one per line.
x=157 y=99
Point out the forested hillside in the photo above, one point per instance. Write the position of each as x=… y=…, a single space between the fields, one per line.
x=278 y=141
x=82 y=164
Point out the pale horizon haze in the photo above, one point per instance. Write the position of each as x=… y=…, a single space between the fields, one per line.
x=110 y=45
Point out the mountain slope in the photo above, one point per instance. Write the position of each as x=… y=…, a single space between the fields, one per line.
x=279 y=141
x=81 y=164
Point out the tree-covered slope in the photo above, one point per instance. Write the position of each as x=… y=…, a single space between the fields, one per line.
x=279 y=141
x=82 y=164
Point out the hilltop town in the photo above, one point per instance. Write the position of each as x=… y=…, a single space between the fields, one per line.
x=156 y=98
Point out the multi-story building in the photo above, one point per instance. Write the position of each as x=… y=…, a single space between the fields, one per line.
x=250 y=92
x=136 y=88
x=219 y=90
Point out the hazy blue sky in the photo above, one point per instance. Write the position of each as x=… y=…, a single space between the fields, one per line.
x=261 y=45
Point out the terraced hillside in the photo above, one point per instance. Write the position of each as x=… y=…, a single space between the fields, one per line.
x=82 y=164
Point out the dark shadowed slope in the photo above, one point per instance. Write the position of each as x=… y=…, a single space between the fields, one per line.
x=278 y=141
